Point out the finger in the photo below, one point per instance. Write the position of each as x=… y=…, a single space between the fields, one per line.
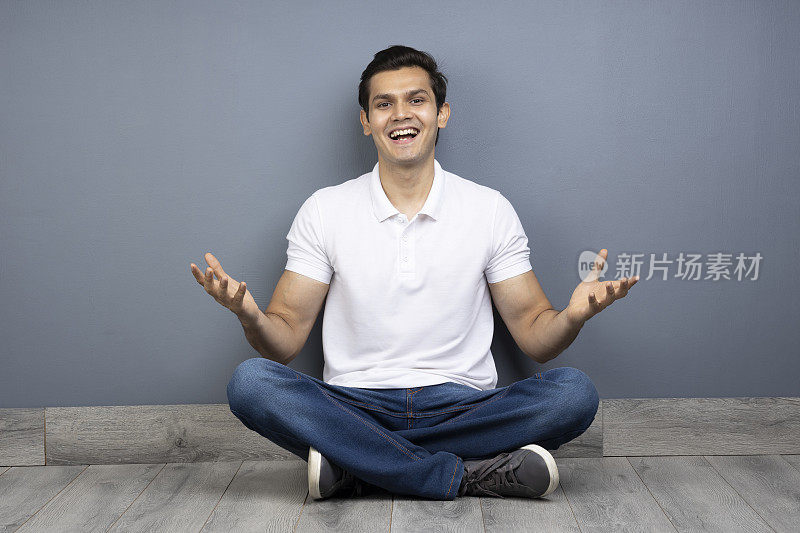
x=209 y=280
x=625 y=284
x=601 y=260
x=214 y=264
x=623 y=287
x=630 y=282
x=593 y=272
x=611 y=296
x=620 y=287
x=597 y=267
x=198 y=276
x=239 y=296
x=223 y=284
x=594 y=304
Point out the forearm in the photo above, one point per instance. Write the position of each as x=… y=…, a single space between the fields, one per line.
x=550 y=334
x=270 y=335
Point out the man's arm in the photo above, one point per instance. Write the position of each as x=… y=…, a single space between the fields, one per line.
x=540 y=331
x=281 y=331
x=550 y=334
x=271 y=336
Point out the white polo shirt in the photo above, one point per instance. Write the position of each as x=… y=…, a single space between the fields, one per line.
x=408 y=304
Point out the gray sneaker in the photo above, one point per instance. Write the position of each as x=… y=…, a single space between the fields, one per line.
x=326 y=479
x=529 y=472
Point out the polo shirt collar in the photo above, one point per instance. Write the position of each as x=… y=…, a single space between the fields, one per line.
x=384 y=209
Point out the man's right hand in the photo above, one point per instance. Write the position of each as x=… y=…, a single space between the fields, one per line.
x=226 y=290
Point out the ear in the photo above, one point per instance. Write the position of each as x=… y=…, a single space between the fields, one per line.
x=365 y=123
x=444 y=115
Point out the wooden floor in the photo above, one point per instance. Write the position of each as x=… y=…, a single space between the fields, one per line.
x=665 y=493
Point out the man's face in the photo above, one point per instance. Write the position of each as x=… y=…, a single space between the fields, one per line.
x=401 y=99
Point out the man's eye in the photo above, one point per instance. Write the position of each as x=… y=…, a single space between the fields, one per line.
x=417 y=100
x=382 y=104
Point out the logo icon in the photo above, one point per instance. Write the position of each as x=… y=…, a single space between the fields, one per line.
x=585 y=263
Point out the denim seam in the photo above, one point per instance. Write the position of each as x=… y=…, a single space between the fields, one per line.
x=408 y=409
x=447 y=494
x=423 y=414
x=479 y=406
x=403 y=415
x=394 y=442
x=410 y=401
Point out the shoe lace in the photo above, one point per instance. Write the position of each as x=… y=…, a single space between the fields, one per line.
x=497 y=474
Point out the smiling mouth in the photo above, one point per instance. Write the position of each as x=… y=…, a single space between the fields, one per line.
x=403 y=139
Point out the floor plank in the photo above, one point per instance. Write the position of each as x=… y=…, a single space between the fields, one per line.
x=22 y=436
x=793 y=460
x=370 y=512
x=263 y=496
x=694 y=496
x=180 y=498
x=767 y=483
x=94 y=500
x=605 y=494
x=713 y=493
x=551 y=513
x=463 y=514
x=25 y=489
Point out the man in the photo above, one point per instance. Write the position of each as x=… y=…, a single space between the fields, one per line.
x=408 y=402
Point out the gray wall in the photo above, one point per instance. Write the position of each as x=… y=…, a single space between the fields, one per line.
x=136 y=136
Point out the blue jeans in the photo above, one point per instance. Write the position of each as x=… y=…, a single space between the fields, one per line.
x=413 y=440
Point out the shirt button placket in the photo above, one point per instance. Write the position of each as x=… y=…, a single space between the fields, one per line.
x=404 y=245
x=404 y=251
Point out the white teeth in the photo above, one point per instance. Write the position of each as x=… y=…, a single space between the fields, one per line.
x=394 y=134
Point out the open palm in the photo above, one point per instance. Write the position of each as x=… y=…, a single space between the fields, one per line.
x=592 y=295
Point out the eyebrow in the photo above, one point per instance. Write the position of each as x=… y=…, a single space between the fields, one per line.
x=388 y=96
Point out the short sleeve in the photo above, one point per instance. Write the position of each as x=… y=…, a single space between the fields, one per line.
x=306 y=252
x=510 y=254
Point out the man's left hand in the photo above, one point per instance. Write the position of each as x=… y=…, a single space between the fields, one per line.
x=592 y=296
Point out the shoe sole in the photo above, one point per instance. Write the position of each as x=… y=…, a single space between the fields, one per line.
x=551 y=466
x=314 y=467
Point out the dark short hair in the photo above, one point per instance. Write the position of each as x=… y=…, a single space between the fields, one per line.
x=396 y=57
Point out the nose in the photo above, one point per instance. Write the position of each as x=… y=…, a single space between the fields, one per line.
x=401 y=110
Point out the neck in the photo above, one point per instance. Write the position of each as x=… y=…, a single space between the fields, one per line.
x=407 y=186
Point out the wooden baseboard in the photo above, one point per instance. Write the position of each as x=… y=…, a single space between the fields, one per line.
x=701 y=426
x=190 y=433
